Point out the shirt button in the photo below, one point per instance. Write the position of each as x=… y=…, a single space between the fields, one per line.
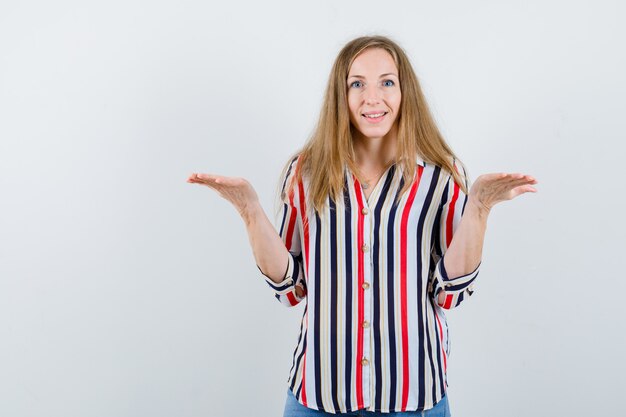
x=366 y=324
x=365 y=285
x=364 y=362
x=365 y=248
x=364 y=210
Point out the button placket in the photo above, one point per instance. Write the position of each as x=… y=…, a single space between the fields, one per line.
x=366 y=360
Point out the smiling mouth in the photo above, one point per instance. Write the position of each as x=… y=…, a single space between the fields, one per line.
x=374 y=115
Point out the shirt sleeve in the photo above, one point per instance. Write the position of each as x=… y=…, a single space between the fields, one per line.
x=451 y=210
x=285 y=291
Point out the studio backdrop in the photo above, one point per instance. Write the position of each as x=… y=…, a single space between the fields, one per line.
x=125 y=291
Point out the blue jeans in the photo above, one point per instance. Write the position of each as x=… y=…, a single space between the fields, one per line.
x=294 y=409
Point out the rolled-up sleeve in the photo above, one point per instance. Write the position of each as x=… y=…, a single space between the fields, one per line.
x=285 y=291
x=451 y=210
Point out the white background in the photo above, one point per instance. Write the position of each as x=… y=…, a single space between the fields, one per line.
x=125 y=291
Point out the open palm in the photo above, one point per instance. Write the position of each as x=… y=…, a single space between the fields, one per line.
x=237 y=190
x=490 y=189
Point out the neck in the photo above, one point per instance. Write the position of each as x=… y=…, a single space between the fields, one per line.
x=372 y=152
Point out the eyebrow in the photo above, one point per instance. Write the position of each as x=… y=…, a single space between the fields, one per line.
x=381 y=76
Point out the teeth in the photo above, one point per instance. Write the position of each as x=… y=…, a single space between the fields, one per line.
x=373 y=116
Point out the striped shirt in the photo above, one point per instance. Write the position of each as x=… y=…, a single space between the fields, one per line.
x=372 y=335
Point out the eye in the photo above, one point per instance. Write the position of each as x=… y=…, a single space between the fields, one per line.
x=356 y=82
x=389 y=83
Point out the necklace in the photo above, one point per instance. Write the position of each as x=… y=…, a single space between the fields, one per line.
x=366 y=183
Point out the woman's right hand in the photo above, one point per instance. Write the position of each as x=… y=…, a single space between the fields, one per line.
x=270 y=252
x=237 y=190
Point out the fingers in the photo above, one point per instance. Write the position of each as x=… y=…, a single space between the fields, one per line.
x=491 y=189
x=300 y=291
x=526 y=188
x=201 y=177
x=512 y=177
x=514 y=183
x=510 y=180
x=518 y=186
x=529 y=179
x=211 y=181
x=206 y=179
x=521 y=190
x=231 y=188
x=218 y=181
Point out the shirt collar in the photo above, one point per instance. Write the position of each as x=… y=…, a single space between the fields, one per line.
x=418 y=161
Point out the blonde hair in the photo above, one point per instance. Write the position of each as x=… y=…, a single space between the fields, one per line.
x=329 y=148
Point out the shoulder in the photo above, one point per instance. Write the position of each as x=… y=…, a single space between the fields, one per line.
x=459 y=166
x=460 y=178
x=445 y=165
x=294 y=162
x=288 y=175
x=452 y=172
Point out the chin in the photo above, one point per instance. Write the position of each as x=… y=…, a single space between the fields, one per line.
x=374 y=133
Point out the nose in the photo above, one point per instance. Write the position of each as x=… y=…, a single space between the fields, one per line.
x=372 y=95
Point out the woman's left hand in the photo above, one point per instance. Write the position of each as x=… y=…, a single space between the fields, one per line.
x=490 y=189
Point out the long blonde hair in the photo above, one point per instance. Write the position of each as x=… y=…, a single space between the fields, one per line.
x=329 y=148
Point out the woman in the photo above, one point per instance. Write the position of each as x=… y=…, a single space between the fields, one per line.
x=371 y=204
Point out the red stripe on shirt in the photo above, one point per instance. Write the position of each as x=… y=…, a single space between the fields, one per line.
x=292 y=221
x=360 y=302
x=450 y=218
x=449 y=232
x=305 y=226
x=403 y=290
x=292 y=299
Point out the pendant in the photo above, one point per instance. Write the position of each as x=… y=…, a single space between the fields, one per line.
x=365 y=185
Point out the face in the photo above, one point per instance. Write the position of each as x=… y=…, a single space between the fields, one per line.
x=373 y=93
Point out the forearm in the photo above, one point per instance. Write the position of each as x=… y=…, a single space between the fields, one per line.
x=270 y=252
x=465 y=251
